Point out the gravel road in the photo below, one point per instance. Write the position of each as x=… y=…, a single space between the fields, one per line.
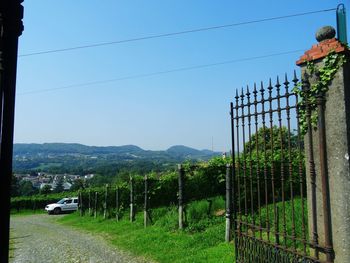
x=37 y=238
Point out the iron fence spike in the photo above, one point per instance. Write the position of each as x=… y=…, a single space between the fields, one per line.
x=286 y=82
x=255 y=91
x=262 y=87
x=270 y=85
x=278 y=82
x=295 y=79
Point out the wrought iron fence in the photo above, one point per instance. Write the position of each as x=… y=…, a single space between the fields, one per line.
x=270 y=208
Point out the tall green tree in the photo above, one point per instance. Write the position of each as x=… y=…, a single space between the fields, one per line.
x=59 y=185
x=46 y=189
x=271 y=152
x=271 y=139
x=14 y=186
x=78 y=184
x=26 y=188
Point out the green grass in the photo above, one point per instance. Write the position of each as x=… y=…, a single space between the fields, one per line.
x=285 y=224
x=26 y=212
x=202 y=241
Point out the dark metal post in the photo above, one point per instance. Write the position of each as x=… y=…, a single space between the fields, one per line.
x=324 y=177
x=228 y=203
x=306 y=87
x=145 y=213
x=244 y=160
x=249 y=155
x=132 y=212
x=11 y=27
x=181 y=200
x=117 y=203
x=341 y=24
x=300 y=170
x=257 y=146
x=272 y=168
x=277 y=225
x=233 y=170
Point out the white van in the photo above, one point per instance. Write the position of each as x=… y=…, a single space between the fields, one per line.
x=64 y=205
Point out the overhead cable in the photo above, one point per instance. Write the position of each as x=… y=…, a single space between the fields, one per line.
x=172 y=33
x=98 y=82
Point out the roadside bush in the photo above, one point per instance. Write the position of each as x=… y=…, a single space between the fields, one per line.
x=35 y=202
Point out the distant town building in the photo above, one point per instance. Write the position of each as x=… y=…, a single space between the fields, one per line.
x=43 y=179
x=42 y=185
x=88 y=176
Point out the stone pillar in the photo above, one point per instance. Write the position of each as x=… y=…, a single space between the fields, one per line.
x=336 y=151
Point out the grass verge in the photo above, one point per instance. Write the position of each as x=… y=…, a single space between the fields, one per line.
x=203 y=241
x=26 y=212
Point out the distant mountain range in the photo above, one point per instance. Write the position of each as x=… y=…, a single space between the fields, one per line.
x=32 y=149
x=47 y=155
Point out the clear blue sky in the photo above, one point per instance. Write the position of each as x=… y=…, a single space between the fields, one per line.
x=156 y=112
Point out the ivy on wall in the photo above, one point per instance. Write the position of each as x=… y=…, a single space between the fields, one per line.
x=308 y=95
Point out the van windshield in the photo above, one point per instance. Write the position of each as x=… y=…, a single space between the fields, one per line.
x=61 y=201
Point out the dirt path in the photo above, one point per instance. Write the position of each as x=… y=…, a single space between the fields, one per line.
x=37 y=238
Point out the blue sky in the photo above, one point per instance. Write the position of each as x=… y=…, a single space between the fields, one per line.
x=186 y=107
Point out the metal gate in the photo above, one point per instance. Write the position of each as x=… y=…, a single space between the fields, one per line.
x=269 y=180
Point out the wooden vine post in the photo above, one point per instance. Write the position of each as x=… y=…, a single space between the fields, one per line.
x=105 y=203
x=117 y=203
x=228 y=231
x=181 y=196
x=80 y=203
x=145 y=213
x=89 y=196
x=132 y=208
x=95 y=206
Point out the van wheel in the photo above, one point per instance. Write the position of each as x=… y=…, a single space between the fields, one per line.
x=56 y=211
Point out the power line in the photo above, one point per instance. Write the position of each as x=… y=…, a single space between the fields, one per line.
x=161 y=72
x=174 y=33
